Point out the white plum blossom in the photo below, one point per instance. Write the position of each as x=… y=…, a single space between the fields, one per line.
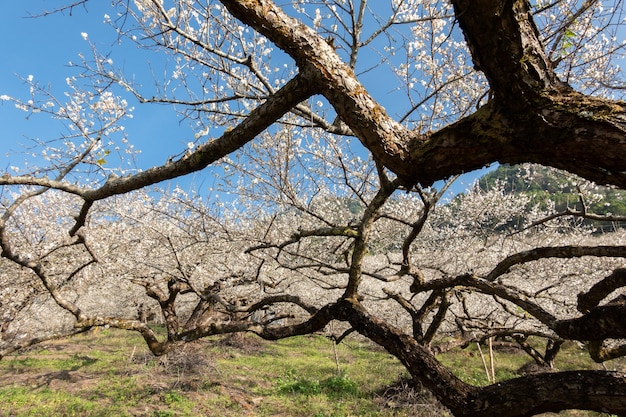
x=284 y=208
x=317 y=22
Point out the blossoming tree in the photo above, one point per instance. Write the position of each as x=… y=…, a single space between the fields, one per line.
x=275 y=94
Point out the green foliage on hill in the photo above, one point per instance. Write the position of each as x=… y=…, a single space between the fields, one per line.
x=548 y=186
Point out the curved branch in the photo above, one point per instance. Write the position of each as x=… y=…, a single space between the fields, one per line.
x=42 y=182
x=487 y=286
x=315 y=323
x=146 y=332
x=346 y=231
x=591 y=298
x=281 y=298
x=546 y=392
x=554 y=252
x=575 y=213
x=7 y=350
x=603 y=322
x=533 y=118
x=292 y=93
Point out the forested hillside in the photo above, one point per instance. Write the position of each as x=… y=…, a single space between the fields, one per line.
x=558 y=191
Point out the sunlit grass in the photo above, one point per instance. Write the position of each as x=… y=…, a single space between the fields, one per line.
x=111 y=373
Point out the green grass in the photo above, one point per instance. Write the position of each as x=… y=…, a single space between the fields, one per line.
x=299 y=377
x=468 y=365
x=111 y=373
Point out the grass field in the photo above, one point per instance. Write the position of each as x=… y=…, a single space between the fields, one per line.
x=111 y=373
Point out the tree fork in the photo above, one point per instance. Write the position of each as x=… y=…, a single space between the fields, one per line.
x=551 y=125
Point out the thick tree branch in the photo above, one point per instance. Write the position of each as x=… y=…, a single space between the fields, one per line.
x=554 y=252
x=289 y=96
x=534 y=118
x=519 y=397
x=591 y=298
x=418 y=360
x=545 y=392
x=278 y=104
x=603 y=322
x=505 y=46
x=489 y=287
x=315 y=323
x=386 y=138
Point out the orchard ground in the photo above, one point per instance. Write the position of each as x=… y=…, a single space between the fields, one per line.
x=111 y=373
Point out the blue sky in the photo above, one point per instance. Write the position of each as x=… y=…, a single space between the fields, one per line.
x=44 y=46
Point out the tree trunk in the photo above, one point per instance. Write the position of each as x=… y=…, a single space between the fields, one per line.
x=524 y=396
x=534 y=117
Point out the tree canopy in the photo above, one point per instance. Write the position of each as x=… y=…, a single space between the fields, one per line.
x=318 y=228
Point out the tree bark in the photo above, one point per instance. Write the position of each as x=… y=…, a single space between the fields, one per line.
x=603 y=322
x=520 y=397
x=591 y=298
x=601 y=391
x=533 y=117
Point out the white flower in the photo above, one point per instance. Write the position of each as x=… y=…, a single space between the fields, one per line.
x=84 y=35
x=318 y=19
x=191 y=145
x=199 y=134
